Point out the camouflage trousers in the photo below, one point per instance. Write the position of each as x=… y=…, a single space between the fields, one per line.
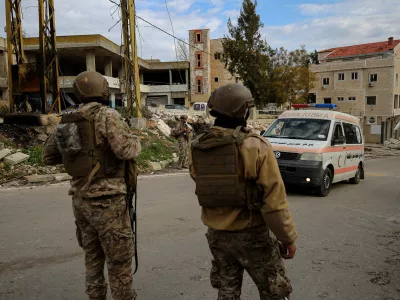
x=253 y=250
x=103 y=231
x=183 y=152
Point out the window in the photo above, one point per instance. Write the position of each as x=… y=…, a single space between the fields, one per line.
x=199 y=63
x=341 y=76
x=325 y=81
x=198 y=37
x=216 y=79
x=354 y=76
x=352 y=98
x=217 y=55
x=327 y=100
x=304 y=129
x=340 y=99
x=179 y=101
x=396 y=101
x=371 y=100
x=199 y=85
x=397 y=79
x=338 y=135
x=352 y=134
x=373 y=77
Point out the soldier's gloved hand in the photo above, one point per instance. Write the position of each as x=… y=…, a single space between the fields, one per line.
x=287 y=250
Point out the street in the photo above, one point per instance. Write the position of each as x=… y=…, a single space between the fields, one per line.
x=348 y=246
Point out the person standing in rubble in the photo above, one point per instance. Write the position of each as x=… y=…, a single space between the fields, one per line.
x=182 y=132
x=95 y=144
x=243 y=199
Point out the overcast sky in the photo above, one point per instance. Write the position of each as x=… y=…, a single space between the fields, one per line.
x=316 y=24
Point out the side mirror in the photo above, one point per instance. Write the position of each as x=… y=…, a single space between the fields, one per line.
x=262 y=132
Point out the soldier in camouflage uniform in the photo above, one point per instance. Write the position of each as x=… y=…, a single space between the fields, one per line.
x=243 y=199
x=94 y=144
x=182 y=132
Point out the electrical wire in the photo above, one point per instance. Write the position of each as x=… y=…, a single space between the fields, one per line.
x=166 y=32
x=173 y=32
x=162 y=30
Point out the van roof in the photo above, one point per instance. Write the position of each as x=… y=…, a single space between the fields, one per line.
x=319 y=114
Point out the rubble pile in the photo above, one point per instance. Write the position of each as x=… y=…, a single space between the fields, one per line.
x=391 y=148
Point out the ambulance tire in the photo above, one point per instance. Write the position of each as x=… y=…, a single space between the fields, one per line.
x=326 y=183
x=356 y=179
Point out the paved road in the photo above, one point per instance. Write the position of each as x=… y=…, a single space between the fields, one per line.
x=349 y=245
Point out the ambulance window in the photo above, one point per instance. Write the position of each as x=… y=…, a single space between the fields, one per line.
x=350 y=132
x=338 y=133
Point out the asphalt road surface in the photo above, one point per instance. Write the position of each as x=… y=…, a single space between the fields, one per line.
x=348 y=247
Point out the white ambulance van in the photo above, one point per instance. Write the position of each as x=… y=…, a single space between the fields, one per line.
x=317 y=148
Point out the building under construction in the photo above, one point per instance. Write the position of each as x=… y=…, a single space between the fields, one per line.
x=160 y=82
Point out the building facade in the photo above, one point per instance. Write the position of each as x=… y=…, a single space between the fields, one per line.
x=207 y=72
x=362 y=80
x=160 y=82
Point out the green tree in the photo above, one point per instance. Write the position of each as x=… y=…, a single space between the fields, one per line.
x=246 y=53
x=314 y=57
x=291 y=77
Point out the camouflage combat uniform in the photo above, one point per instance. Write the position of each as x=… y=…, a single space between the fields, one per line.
x=181 y=133
x=102 y=221
x=240 y=239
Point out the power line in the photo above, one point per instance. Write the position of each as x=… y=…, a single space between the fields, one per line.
x=166 y=32
x=162 y=30
x=173 y=32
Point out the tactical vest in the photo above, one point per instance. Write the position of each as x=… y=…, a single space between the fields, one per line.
x=99 y=162
x=218 y=166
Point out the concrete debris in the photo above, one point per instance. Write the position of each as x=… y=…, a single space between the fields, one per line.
x=373 y=151
x=155 y=166
x=174 y=155
x=138 y=123
x=39 y=178
x=175 y=159
x=4 y=153
x=42 y=137
x=62 y=177
x=163 y=127
x=50 y=129
x=16 y=158
x=393 y=144
x=164 y=163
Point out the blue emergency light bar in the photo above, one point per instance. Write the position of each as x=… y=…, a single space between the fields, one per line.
x=311 y=105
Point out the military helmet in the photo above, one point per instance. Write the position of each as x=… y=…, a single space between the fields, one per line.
x=231 y=100
x=91 y=85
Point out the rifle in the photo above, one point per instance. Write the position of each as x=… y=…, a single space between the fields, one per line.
x=131 y=192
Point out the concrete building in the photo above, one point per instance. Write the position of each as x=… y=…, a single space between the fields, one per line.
x=362 y=80
x=164 y=82
x=161 y=82
x=207 y=72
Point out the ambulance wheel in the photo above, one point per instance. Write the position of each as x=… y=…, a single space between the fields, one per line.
x=357 y=178
x=326 y=184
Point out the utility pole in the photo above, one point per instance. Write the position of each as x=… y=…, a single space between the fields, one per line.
x=48 y=56
x=15 y=43
x=132 y=82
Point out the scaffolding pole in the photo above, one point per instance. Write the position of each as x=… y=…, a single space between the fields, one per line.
x=15 y=43
x=132 y=82
x=49 y=82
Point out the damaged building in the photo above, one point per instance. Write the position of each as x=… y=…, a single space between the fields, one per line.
x=160 y=82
